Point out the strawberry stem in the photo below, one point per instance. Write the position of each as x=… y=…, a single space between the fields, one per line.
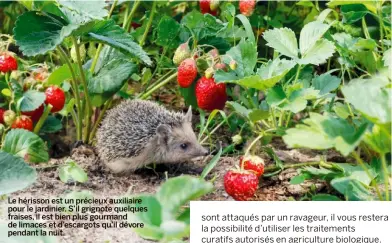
x=152 y=14
x=74 y=84
x=42 y=119
x=100 y=117
x=87 y=97
x=252 y=144
x=159 y=85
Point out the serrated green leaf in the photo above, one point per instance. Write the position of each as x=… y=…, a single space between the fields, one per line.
x=38 y=32
x=177 y=191
x=167 y=32
x=201 y=26
x=31 y=100
x=352 y=189
x=107 y=32
x=26 y=145
x=325 y=132
x=326 y=83
x=111 y=77
x=341 y=110
x=310 y=34
x=15 y=174
x=258 y=115
x=63 y=73
x=379 y=138
x=282 y=40
x=72 y=171
x=371 y=97
x=387 y=58
x=89 y=9
x=152 y=218
x=245 y=55
x=318 y=53
x=371 y=5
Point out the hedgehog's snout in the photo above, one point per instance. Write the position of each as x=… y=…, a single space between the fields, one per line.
x=205 y=151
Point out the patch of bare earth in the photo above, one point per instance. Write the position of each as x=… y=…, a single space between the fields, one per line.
x=103 y=184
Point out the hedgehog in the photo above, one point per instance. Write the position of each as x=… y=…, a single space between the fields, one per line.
x=136 y=133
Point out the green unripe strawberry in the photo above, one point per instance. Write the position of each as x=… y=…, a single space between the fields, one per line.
x=209 y=72
x=82 y=52
x=91 y=50
x=233 y=65
x=183 y=52
x=214 y=4
x=9 y=117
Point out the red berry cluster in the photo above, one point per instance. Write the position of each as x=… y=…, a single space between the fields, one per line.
x=241 y=184
x=209 y=94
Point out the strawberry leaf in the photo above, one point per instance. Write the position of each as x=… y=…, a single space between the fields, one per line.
x=283 y=40
x=371 y=97
x=167 y=32
x=31 y=100
x=326 y=132
x=26 y=145
x=38 y=32
x=15 y=174
x=177 y=191
x=107 y=32
x=310 y=34
x=326 y=83
x=151 y=218
x=318 y=53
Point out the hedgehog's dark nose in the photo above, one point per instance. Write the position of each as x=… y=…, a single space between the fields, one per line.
x=206 y=152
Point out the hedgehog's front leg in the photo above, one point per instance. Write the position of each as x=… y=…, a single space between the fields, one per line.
x=126 y=165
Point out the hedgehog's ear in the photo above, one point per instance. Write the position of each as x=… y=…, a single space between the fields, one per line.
x=163 y=132
x=188 y=115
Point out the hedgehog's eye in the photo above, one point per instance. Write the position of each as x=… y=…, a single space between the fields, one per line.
x=184 y=146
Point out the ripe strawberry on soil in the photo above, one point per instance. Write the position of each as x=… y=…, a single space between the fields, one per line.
x=1 y=115
x=253 y=163
x=56 y=97
x=241 y=185
x=23 y=122
x=210 y=95
x=35 y=114
x=247 y=7
x=187 y=72
x=7 y=62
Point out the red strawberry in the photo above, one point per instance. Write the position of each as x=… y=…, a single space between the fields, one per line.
x=35 y=114
x=135 y=25
x=23 y=122
x=1 y=115
x=56 y=97
x=205 y=7
x=253 y=163
x=210 y=95
x=7 y=62
x=240 y=184
x=187 y=72
x=247 y=7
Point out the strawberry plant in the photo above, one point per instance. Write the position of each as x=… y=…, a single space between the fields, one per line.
x=264 y=78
